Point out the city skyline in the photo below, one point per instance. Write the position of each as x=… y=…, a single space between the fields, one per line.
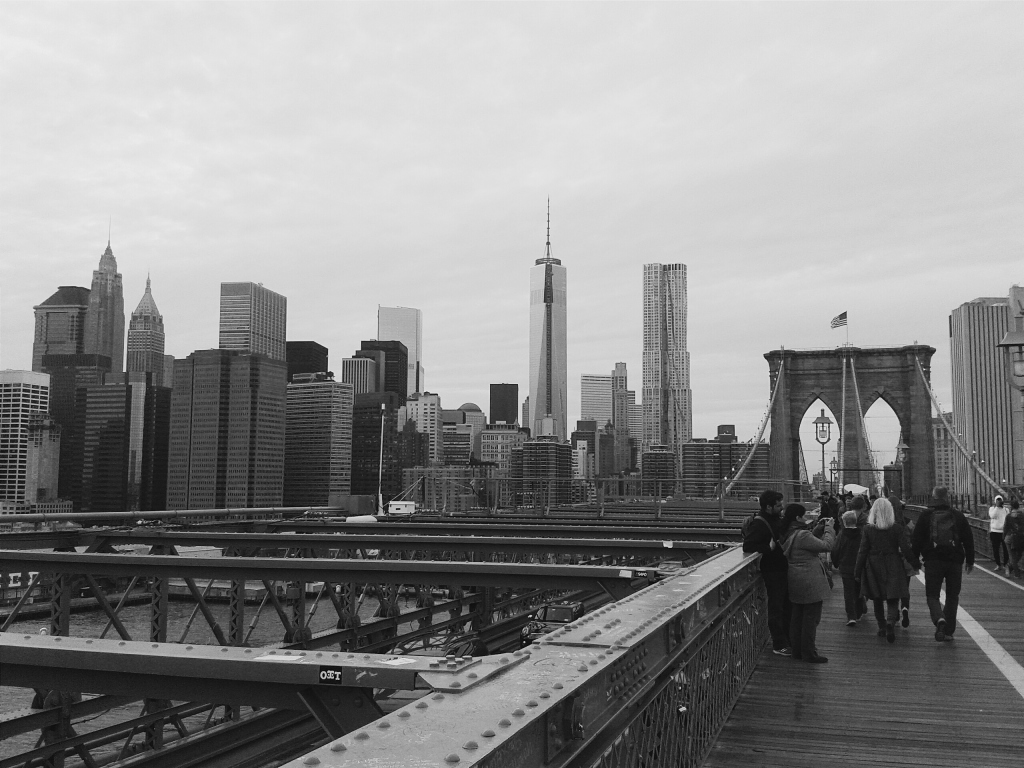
x=806 y=165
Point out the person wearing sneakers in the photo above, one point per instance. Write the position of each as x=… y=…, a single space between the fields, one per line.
x=884 y=547
x=996 y=520
x=844 y=557
x=762 y=535
x=943 y=539
x=809 y=583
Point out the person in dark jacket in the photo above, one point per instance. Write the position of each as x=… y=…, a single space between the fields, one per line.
x=943 y=564
x=762 y=535
x=899 y=510
x=844 y=557
x=884 y=547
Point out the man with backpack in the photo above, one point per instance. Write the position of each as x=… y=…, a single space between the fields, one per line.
x=943 y=539
x=761 y=534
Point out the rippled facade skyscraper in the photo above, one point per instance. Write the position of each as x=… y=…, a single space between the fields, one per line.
x=548 y=349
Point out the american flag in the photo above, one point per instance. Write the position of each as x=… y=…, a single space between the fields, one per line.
x=839 y=320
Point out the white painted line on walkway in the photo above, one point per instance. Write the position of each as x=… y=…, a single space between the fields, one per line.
x=1005 y=663
x=1001 y=578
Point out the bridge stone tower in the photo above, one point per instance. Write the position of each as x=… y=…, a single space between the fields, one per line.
x=889 y=373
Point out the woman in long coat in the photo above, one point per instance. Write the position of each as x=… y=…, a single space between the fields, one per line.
x=808 y=584
x=884 y=548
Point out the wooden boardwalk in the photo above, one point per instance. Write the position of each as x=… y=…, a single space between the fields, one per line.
x=915 y=703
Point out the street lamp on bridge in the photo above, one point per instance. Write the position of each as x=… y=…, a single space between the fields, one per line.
x=823 y=434
x=833 y=467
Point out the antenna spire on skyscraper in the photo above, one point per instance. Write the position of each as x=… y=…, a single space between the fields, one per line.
x=547 y=251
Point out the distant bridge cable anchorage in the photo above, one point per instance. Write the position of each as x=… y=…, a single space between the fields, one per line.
x=953 y=435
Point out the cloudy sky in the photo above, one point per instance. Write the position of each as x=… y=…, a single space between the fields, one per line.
x=801 y=159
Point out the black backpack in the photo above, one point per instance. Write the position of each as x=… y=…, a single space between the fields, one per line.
x=944 y=533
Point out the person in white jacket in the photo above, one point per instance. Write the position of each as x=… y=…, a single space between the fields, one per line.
x=996 y=519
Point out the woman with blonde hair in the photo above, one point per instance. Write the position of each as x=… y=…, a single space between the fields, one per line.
x=884 y=546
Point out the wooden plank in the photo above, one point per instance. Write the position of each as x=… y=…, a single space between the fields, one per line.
x=913 y=703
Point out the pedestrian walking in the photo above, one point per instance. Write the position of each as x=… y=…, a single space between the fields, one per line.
x=899 y=512
x=943 y=539
x=884 y=547
x=808 y=580
x=762 y=535
x=1013 y=535
x=996 y=519
x=844 y=557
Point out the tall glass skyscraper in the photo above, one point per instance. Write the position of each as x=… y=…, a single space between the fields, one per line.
x=548 y=366
x=404 y=324
x=104 y=320
x=253 y=319
x=667 y=405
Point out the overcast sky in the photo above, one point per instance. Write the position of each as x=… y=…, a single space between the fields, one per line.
x=801 y=159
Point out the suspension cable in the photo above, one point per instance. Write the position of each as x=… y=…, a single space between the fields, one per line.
x=842 y=429
x=760 y=431
x=956 y=440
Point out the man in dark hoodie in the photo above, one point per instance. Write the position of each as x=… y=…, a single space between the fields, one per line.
x=943 y=539
x=762 y=535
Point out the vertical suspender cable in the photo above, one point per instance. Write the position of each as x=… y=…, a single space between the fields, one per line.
x=842 y=430
x=863 y=426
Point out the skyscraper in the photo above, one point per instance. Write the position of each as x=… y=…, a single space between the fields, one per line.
x=361 y=373
x=146 y=339
x=667 y=404
x=596 y=398
x=104 y=320
x=306 y=357
x=548 y=364
x=405 y=324
x=424 y=409
x=60 y=324
x=253 y=319
x=125 y=426
x=227 y=431
x=504 y=403
x=376 y=464
x=24 y=400
x=318 y=440
x=396 y=361
x=982 y=394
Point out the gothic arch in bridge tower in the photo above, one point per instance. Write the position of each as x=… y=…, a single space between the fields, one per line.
x=889 y=373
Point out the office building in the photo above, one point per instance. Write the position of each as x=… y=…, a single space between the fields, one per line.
x=227 y=431
x=504 y=405
x=586 y=434
x=395 y=364
x=68 y=374
x=405 y=324
x=706 y=462
x=104 y=320
x=361 y=373
x=60 y=324
x=667 y=404
x=548 y=361
x=547 y=470
x=448 y=489
x=125 y=427
x=477 y=420
x=424 y=409
x=982 y=393
x=375 y=415
x=658 y=471
x=413 y=447
x=318 y=440
x=146 y=339
x=29 y=440
x=497 y=442
x=525 y=422
x=457 y=442
x=945 y=453
x=253 y=319
x=305 y=357
x=596 y=398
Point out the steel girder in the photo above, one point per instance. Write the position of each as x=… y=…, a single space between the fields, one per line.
x=617 y=582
